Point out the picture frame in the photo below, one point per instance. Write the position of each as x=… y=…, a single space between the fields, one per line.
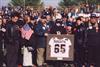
x=58 y=54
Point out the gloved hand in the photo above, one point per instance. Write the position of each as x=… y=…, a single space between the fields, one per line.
x=3 y=30
x=30 y=49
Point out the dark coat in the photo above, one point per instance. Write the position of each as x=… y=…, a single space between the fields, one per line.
x=12 y=32
x=1 y=44
x=79 y=44
x=55 y=28
x=13 y=37
x=93 y=43
x=41 y=38
x=93 y=37
x=79 y=35
x=2 y=37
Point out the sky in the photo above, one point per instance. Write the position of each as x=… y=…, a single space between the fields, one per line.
x=47 y=3
x=53 y=3
x=4 y=2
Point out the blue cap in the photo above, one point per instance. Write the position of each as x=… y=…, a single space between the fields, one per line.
x=93 y=15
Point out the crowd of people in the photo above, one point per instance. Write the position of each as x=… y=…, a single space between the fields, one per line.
x=29 y=28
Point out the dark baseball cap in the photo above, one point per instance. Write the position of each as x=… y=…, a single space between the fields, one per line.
x=43 y=17
x=93 y=16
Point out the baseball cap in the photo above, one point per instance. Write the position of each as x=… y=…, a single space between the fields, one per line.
x=43 y=17
x=93 y=16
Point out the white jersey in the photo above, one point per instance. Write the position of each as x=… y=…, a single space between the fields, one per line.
x=59 y=47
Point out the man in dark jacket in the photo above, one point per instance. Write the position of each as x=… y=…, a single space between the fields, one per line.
x=79 y=32
x=58 y=28
x=12 y=40
x=2 y=30
x=41 y=33
x=93 y=35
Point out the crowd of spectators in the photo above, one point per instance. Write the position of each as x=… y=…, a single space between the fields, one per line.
x=29 y=28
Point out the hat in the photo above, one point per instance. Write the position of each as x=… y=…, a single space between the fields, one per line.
x=59 y=21
x=93 y=16
x=69 y=24
x=43 y=17
x=35 y=17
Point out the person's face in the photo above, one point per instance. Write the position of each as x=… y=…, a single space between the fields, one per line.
x=43 y=21
x=58 y=24
x=4 y=21
x=69 y=28
x=64 y=19
x=93 y=20
x=83 y=19
x=15 y=19
x=48 y=17
x=78 y=22
x=27 y=19
x=70 y=19
x=86 y=19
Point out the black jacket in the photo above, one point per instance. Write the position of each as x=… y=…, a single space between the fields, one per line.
x=93 y=37
x=55 y=28
x=12 y=32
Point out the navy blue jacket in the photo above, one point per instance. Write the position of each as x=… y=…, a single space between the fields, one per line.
x=41 y=38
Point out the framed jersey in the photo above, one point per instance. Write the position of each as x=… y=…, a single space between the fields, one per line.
x=60 y=47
